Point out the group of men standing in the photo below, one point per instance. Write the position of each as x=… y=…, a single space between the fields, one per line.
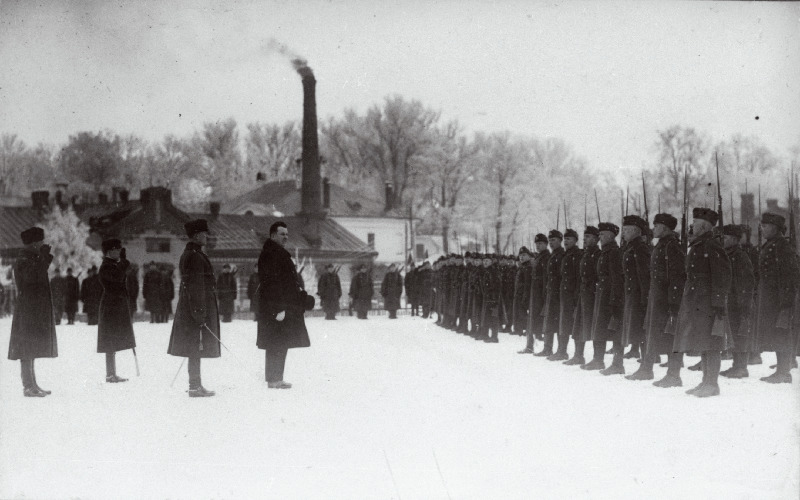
x=721 y=295
x=158 y=290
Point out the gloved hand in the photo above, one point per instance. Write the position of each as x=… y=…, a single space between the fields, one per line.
x=280 y=316
x=122 y=254
x=45 y=249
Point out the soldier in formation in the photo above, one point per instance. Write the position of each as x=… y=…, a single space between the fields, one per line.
x=91 y=291
x=226 y=293
x=361 y=292
x=329 y=289
x=72 y=294
x=392 y=290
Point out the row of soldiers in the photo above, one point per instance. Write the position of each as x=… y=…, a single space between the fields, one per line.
x=722 y=295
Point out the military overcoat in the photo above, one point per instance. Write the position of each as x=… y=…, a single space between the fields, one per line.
x=391 y=290
x=226 y=293
x=582 y=330
x=197 y=305
x=114 y=328
x=33 y=329
x=667 y=279
x=708 y=280
x=636 y=269
x=777 y=285
x=570 y=289
x=329 y=289
x=552 y=304
x=740 y=299
x=609 y=299
x=538 y=292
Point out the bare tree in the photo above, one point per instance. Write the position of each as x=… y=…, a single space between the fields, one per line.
x=677 y=148
x=272 y=149
x=91 y=159
x=221 y=166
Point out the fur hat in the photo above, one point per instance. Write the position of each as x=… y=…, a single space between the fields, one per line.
x=195 y=226
x=635 y=220
x=524 y=250
x=540 y=238
x=591 y=230
x=111 y=244
x=555 y=233
x=774 y=219
x=666 y=219
x=571 y=232
x=732 y=230
x=705 y=214
x=609 y=226
x=32 y=235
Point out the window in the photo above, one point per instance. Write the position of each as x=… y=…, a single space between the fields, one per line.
x=157 y=245
x=371 y=240
x=420 y=251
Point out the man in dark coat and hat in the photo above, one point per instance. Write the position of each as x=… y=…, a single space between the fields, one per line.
x=702 y=315
x=740 y=300
x=537 y=293
x=522 y=291
x=667 y=279
x=424 y=284
x=282 y=303
x=195 y=331
x=777 y=285
x=587 y=270
x=609 y=301
x=552 y=306
x=569 y=293
x=91 y=291
x=226 y=293
x=392 y=290
x=636 y=269
x=33 y=329
x=411 y=289
x=361 y=292
x=152 y=293
x=57 y=288
x=114 y=328
x=329 y=289
x=72 y=294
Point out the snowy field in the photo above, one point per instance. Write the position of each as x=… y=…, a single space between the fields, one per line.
x=385 y=409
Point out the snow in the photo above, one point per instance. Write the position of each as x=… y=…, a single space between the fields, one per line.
x=385 y=409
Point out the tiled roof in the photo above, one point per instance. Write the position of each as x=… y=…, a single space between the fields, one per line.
x=14 y=220
x=284 y=197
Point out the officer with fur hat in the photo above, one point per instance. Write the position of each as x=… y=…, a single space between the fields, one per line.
x=538 y=292
x=33 y=329
x=740 y=300
x=702 y=316
x=552 y=306
x=778 y=275
x=667 y=279
x=195 y=330
x=114 y=327
x=587 y=269
x=608 y=302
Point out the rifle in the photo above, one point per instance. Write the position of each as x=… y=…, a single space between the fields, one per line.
x=585 y=209
x=558 y=215
x=733 y=219
x=644 y=194
x=684 y=216
x=719 y=191
x=627 y=190
x=566 y=217
x=792 y=235
x=597 y=204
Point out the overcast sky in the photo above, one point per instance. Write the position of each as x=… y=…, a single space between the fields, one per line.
x=603 y=76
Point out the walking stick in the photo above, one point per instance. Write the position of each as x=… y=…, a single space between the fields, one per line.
x=183 y=360
x=136 y=360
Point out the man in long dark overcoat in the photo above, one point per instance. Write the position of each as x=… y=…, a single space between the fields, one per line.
x=361 y=292
x=777 y=285
x=522 y=292
x=114 y=328
x=740 y=301
x=152 y=293
x=226 y=293
x=329 y=289
x=72 y=294
x=282 y=303
x=538 y=292
x=702 y=315
x=91 y=291
x=667 y=279
x=392 y=290
x=636 y=269
x=587 y=269
x=425 y=287
x=411 y=289
x=195 y=331
x=609 y=301
x=57 y=289
x=569 y=293
x=33 y=329
x=552 y=305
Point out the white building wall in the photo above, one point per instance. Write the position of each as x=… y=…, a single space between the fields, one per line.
x=392 y=237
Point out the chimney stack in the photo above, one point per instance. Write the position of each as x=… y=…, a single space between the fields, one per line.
x=326 y=193
x=388 y=197
x=214 y=208
x=310 y=197
x=260 y=177
x=124 y=195
x=41 y=200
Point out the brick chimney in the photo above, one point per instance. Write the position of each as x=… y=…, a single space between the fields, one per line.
x=388 y=197
x=326 y=193
x=310 y=195
x=214 y=209
x=154 y=200
x=124 y=195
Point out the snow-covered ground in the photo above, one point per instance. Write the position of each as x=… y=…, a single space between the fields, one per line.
x=385 y=409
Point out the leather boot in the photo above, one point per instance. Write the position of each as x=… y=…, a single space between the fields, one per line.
x=739 y=368
x=200 y=392
x=597 y=362
x=754 y=358
x=696 y=367
x=705 y=375
x=633 y=352
x=645 y=371
x=577 y=358
x=547 y=350
x=783 y=369
x=673 y=376
x=711 y=387
x=35 y=383
x=617 y=367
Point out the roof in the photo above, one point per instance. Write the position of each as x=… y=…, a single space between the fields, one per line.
x=249 y=232
x=284 y=197
x=14 y=220
x=129 y=220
